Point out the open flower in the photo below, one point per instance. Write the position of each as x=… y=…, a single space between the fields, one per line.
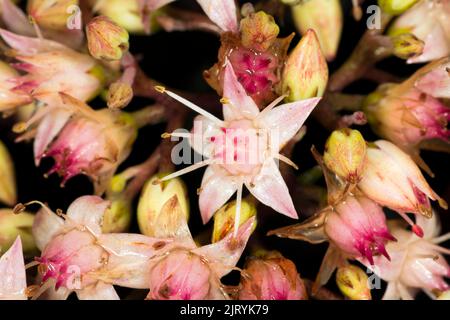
x=51 y=68
x=271 y=277
x=171 y=265
x=242 y=149
x=71 y=251
x=11 y=99
x=82 y=140
x=392 y=179
x=417 y=263
x=13 y=282
x=428 y=21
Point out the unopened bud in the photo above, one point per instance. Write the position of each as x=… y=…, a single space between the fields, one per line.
x=119 y=95
x=407 y=46
x=51 y=14
x=118 y=216
x=306 y=72
x=353 y=283
x=154 y=198
x=396 y=7
x=258 y=31
x=106 y=39
x=345 y=151
x=13 y=225
x=224 y=218
x=325 y=18
x=444 y=295
x=8 y=194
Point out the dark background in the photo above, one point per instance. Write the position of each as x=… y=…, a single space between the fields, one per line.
x=178 y=59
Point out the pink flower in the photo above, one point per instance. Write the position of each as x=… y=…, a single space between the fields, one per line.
x=13 y=281
x=172 y=266
x=51 y=68
x=428 y=21
x=11 y=99
x=392 y=179
x=357 y=225
x=417 y=263
x=72 y=255
x=271 y=277
x=223 y=13
x=82 y=140
x=242 y=149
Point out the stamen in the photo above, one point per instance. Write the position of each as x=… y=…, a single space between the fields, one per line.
x=44 y=287
x=272 y=105
x=190 y=105
x=237 y=216
x=442 y=238
x=286 y=160
x=36 y=27
x=415 y=228
x=193 y=167
x=32 y=264
x=167 y=135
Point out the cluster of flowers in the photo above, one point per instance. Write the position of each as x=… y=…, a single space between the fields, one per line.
x=51 y=70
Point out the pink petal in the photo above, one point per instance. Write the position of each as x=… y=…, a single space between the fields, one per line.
x=203 y=131
x=12 y=270
x=217 y=187
x=28 y=45
x=223 y=13
x=241 y=105
x=46 y=225
x=436 y=82
x=98 y=291
x=287 y=119
x=88 y=211
x=269 y=188
x=435 y=46
x=47 y=130
x=224 y=255
x=14 y=19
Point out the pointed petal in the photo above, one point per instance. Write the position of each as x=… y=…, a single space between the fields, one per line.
x=224 y=255
x=223 y=13
x=47 y=130
x=131 y=256
x=98 y=291
x=13 y=279
x=217 y=188
x=203 y=133
x=14 y=18
x=330 y=262
x=391 y=292
x=269 y=187
x=45 y=226
x=436 y=82
x=287 y=119
x=241 y=105
x=28 y=45
x=88 y=211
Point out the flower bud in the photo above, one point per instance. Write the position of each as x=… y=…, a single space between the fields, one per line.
x=119 y=95
x=258 y=31
x=106 y=39
x=396 y=7
x=353 y=283
x=11 y=99
x=51 y=14
x=8 y=194
x=444 y=295
x=224 y=218
x=117 y=218
x=407 y=46
x=306 y=72
x=153 y=199
x=392 y=179
x=13 y=225
x=325 y=18
x=271 y=277
x=345 y=151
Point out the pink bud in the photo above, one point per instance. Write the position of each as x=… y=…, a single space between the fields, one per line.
x=358 y=227
x=271 y=277
x=181 y=275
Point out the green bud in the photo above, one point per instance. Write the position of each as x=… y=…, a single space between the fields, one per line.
x=396 y=7
x=353 y=283
x=13 y=225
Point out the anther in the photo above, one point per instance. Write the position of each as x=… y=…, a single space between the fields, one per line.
x=160 y=89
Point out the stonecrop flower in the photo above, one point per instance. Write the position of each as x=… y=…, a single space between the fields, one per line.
x=13 y=283
x=428 y=21
x=171 y=265
x=242 y=148
x=51 y=68
x=271 y=277
x=392 y=179
x=416 y=263
x=72 y=252
x=82 y=140
x=11 y=99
